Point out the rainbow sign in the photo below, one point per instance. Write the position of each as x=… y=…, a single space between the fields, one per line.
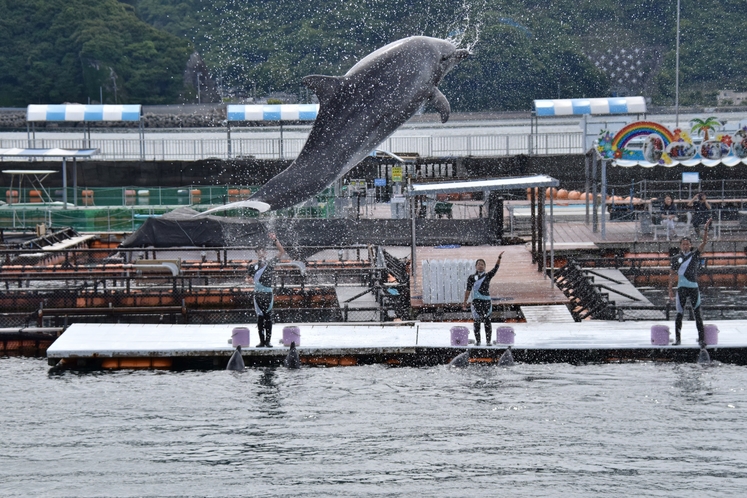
x=638 y=129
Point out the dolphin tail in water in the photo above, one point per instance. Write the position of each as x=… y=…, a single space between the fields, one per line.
x=507 y=358
x=293 y=360
x=461 y=361
x=236 y=362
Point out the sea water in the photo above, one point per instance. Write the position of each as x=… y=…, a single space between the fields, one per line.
x=640 y=429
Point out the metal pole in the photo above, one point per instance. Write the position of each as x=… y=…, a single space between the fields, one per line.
x=604 y=198
x=586 y=186
x=595 y=201
x=552 y=242
x=677 y=73
x=64 y=183
x=281 y=140
x=412 y=236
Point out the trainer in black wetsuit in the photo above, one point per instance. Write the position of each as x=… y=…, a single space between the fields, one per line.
x=685 y=273
x=262 y=272
x=478 y=287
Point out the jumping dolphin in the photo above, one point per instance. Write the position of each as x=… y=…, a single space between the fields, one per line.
x=236 y=362
x=357 y=112
x=292 y=361
x=460 y=361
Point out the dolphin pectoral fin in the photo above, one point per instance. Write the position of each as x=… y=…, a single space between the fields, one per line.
x=323 y=86
x=259 y=206
x=438 y=100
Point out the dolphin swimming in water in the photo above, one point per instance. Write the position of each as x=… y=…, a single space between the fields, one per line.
x=292 y=361
x=236 y=362
x=703 y=357
x=357 y=112
x=460 y=361
x=507 y=358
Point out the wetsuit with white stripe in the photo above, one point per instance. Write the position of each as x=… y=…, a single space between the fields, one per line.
x=687 y=265
x=478 y=284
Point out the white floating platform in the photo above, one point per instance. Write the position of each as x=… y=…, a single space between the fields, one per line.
x=540 y=342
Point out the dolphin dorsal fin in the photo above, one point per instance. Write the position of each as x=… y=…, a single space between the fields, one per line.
x=438 y=100
x=323 y=86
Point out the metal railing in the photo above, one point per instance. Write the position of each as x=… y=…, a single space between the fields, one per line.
x=179 y=149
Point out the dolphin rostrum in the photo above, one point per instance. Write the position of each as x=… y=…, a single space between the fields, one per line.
x=357 y=112
x=507 y=358
x=460 y=361
x=236 y=362
x=293 y=360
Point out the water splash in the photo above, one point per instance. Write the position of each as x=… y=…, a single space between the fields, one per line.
x=464 y=31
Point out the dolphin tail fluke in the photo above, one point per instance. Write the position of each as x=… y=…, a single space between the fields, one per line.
x=236 y=363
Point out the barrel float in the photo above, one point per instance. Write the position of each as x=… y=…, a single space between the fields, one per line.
x=711 y=334
x=659 y=335
x=291 y=334
x=575 y=195
x=240 y=337
x=130 y=193
x=506 y=335
x=143 y=193
x=459 y=336
x=35 y=193
x=11 y=193
x=562 y=194
x=87 y=193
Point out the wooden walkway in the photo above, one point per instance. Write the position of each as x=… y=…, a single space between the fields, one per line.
x=518 y=282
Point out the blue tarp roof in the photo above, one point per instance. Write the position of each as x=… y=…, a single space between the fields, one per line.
x=577 y=107
x=284 y=112
x=83 y=112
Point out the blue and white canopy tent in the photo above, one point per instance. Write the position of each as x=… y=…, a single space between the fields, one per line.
x=269 y=112
x=53 y=153
x=83 y=113
x=611 y=106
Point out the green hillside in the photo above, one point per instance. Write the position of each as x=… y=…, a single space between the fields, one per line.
x=56 y=51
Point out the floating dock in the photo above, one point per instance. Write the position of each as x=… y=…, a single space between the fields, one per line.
x=183 y=347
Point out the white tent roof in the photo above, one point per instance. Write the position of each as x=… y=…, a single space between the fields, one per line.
x=482 y=185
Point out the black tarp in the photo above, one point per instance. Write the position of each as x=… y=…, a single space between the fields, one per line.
x=180 y=228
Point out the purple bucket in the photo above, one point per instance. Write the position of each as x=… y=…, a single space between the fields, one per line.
x=711 y=335
x=240 y=337
x=505 y=335
x=459 y=336
x=291 y=334
x=659 y=335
